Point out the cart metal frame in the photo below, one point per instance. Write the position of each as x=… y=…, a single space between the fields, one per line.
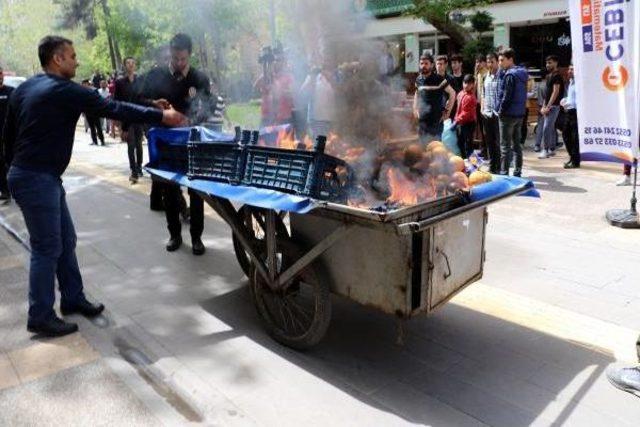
x=278 y=277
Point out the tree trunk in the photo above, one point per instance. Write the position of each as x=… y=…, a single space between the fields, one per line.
x=111 y=52
x=456 y=32
x=114 y=50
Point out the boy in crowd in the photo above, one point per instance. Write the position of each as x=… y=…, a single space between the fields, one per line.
x=466 y=116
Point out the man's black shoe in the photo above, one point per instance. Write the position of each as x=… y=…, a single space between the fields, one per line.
x=53 y=327
x=84 y=308
x=174 y=244
x=139 y=172
x=197 y=247
x=5 y=195
x=570 y=165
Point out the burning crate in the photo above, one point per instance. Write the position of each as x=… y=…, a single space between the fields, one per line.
x=305 y=173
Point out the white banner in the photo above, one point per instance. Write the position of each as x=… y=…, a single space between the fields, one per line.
x=606 y=56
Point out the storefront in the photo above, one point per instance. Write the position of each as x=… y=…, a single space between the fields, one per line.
x=534 y=28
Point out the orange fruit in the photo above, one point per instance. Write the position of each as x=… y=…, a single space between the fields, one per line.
x=457 y=163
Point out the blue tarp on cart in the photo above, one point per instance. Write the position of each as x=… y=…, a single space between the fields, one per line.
x=271 y=199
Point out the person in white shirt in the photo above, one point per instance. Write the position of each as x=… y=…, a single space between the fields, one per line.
x=319 y=88
x=103 y=90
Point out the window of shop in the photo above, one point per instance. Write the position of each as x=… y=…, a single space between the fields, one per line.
x=534 y=43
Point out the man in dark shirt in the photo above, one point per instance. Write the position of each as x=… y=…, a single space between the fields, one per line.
x=93 y=121
x=457 y=76
x=179 y=84
x=38 y=142
x=551 y=108
x=427 y=102
x=128 y=89
x=5 y=93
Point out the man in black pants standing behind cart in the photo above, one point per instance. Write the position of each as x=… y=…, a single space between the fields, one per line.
x=127 y=89
x=179 y=84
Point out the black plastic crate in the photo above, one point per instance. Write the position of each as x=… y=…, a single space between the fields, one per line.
x=218 y=161
x=306 y=173
x=172 y=157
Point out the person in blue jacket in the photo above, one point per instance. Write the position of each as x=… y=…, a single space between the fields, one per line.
x=37 y=143
x=512 y=107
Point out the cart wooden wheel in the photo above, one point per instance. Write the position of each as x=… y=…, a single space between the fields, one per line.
x=252 y=217
x=299 y=314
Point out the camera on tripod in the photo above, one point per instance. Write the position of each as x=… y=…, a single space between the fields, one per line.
x=267 y=57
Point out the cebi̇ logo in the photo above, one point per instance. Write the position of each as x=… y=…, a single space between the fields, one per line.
x=615 y=78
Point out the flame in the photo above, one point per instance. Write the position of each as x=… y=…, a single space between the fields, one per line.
x=407 y=189
x=401 y=187
x=286 y=140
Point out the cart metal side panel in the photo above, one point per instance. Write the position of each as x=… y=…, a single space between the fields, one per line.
x=371 y=266
x=457 y=255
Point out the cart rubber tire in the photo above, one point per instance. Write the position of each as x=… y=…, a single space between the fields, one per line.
x=246 y=214
x=307 y=331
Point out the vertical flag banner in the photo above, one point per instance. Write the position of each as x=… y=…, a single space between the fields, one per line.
x=606 y=57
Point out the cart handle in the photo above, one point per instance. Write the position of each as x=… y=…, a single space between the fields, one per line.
x=416 y=227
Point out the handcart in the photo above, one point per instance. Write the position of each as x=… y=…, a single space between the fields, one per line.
x=297 y=251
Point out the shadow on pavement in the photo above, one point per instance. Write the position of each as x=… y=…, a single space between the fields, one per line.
x=554 y=185
x=497 y=372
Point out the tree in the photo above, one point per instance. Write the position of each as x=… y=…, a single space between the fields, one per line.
x=83 y=13
x=438 y=13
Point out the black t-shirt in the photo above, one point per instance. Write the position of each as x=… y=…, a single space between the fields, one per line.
x=552 y=80
x=129 y=91
x=456 y=82
x=430 y=101
x=5 y=92
x=180 y=91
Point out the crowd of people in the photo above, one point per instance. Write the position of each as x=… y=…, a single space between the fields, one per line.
x=489 y=108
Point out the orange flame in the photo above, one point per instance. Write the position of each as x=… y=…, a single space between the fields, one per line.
x=402 y=188
x=409 y=190
x=285 y=140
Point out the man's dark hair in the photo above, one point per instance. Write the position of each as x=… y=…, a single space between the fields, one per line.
x=86 y=81
x=49 y=46
x=469 y=79
x=508 y=53
x=426 y=57
x=457 y=58
x=443 y=58
x=553 y=58
x=128 y=58
x=481 y=58
x=492 y=55
x=181 y=41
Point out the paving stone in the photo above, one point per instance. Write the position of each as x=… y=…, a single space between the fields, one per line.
x=8 y=375
x=472 y=400
x=87 y=395
x=421 y=408
x=50 y=356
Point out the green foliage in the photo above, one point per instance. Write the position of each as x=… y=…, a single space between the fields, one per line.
x=481 y=21
x=24 y=23
x=438 y=13
x=479 y=46
x=245 y=115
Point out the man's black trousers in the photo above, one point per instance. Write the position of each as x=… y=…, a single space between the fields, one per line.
x=492 y=139
x=570 y=136
x=173 y=205
x=134 y=147
x=96 y=129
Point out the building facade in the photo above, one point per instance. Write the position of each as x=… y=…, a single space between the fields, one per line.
x=534 y=28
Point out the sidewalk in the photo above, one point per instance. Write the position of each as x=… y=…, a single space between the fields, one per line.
x=527 y=345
